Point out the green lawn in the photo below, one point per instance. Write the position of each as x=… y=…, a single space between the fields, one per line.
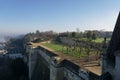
x=84 y=39
x=56 y=47
x=99 y=40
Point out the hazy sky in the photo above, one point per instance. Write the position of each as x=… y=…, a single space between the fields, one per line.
x=20 y=16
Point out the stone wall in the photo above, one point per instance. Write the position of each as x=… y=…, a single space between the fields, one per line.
x=55 y=69
x=41 y=70
x=32 y=58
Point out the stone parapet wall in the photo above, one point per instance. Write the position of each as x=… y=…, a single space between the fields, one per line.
x=59 y=69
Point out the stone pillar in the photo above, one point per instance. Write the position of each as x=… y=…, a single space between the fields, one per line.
x=31 y=61
x=29 y=64
x=104 y=56
x=56 y=71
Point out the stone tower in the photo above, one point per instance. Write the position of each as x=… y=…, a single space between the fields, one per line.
x=114 y=43
x=111 y=58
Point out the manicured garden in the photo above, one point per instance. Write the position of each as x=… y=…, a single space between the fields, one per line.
x=73 y=51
